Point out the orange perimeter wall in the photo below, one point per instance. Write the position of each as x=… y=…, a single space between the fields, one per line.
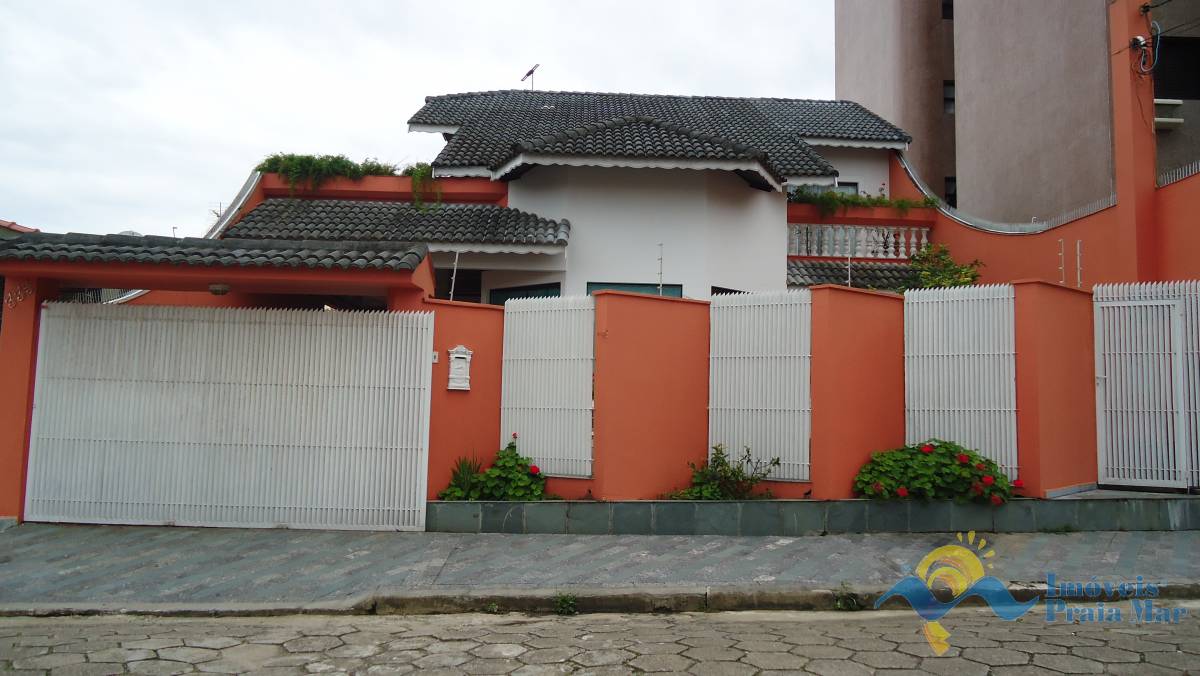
x=857 y=383
x=464 y=423
x=651 y=401
x=1178 y=212
x=1056 y=390
x=18 y=346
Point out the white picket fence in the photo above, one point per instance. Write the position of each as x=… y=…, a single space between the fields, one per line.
x=960 y=369
x=1148 y=383
x=231 y=417
x=759 y=377
x=547 y=394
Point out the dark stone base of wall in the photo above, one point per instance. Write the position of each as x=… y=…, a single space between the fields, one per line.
x=810 y=517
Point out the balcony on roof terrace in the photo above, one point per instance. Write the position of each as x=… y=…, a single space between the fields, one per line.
x=863 y=233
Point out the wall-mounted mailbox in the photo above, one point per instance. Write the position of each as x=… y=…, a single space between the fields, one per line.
x=460 y=369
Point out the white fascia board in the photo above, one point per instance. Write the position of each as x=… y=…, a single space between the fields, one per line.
x=127 y=296
x=812 y=180
x=636 y=163
x=851 y=143
x=451 y=172
x=471 y=247
x=235 y=207
x=434 y=128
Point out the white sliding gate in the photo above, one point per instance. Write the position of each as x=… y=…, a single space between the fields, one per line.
x=1148 y=383
x=546 y=394
x=960 y=369
x=231 y=417
x=759 y=377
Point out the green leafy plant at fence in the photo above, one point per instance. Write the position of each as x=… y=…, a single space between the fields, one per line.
x=310 y=171
x=511 y=477
x=829 y=202
x=564 y=604
x=935 y=267
x=934 y=470
x=464 y=481
x=725 y=478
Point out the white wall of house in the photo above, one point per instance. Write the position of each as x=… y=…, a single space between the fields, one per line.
x=715 y=229
x=868 y=167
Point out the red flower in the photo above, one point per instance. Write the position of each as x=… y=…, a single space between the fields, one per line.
x=976 y=488
x=902 y=492
x=927 y=448
x=979 y=466
x=878 y=487
x=533 y=469
x=1017 y=483
x=989 y=480
x=964 y=458
x=514 y=435
x=997 y=500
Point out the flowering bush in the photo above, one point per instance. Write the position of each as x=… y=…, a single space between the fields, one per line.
x=934 y=470
x=511 y=477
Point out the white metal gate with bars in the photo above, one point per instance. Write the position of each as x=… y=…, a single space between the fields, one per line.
x=960 y=369
x=546 y=392
x=231 y=417
x=759 y=377
x=1148 y=383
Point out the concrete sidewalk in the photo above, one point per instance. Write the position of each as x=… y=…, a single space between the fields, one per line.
x=56 y=568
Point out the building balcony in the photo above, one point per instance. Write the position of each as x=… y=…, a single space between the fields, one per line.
x=872 y=242
x=865 y=233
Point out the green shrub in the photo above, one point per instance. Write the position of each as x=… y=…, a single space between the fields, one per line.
x=933 y=470
x=723 y=479
x=421 y=174
x=829 y=202
x=310 y=171
x=936 y=268
x=564 y=604
x=464 y=481
x=511 y=477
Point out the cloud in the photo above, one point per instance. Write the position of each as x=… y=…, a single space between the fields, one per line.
x=146 y=115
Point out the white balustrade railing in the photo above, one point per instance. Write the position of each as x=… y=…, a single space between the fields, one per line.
x=856 y=241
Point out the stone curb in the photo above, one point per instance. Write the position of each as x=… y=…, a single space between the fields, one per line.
x=790 y=518
x=452 y=600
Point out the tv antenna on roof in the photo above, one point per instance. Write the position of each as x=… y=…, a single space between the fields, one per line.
x=529 y=75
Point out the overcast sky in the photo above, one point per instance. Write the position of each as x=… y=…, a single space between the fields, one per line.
x=147 y=115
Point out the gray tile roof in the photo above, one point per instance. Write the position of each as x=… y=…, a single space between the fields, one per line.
x=881 y=276
x=363 y=220
x=212 y=252
x=490 y=122
x=638 y=136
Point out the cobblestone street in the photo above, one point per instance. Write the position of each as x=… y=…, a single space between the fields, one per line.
x=713 y=643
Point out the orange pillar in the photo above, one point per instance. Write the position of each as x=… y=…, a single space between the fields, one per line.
x=18 y=353
x=1056 y=390
x=1134 y=141
x=857 y=383
x=651 y=394
x=464 y=423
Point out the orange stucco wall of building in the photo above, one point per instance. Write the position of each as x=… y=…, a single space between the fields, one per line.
x=857 y=383
x=1056 y=391
x=1148 y=235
